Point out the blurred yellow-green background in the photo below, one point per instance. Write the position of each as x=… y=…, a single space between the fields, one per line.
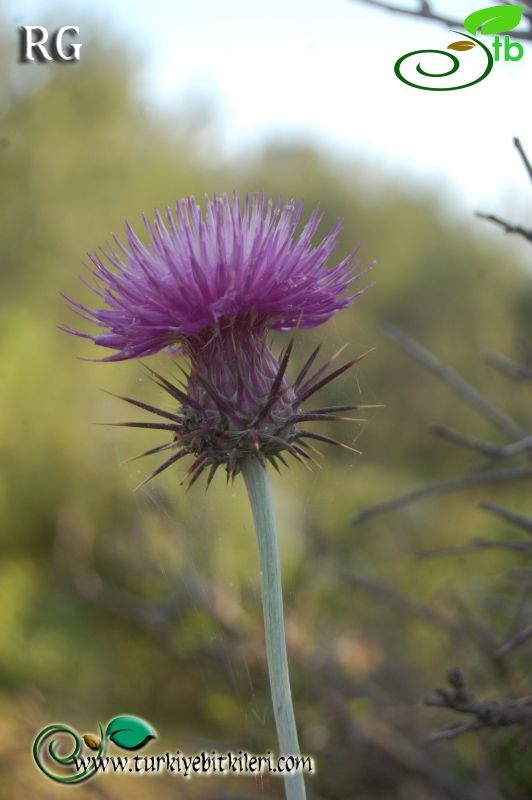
x=115 y=600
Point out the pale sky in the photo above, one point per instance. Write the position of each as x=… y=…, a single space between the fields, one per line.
x=323 y=69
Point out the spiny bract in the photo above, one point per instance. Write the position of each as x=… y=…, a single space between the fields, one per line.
x=210 y=286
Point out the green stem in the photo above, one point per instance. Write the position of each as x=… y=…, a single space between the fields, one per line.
x=260 y=498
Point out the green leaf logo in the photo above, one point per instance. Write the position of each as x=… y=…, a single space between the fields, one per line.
x=129 y=733
x=497 y=19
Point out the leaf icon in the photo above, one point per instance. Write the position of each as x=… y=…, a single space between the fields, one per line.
x=463 y=44
x=497 y=19
x=130 y=733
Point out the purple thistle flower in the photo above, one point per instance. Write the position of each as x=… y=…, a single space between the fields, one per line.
x=212 y=286
x=200 y=271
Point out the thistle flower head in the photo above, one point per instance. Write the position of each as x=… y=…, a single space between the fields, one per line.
x=212 y=285
x=198 y=271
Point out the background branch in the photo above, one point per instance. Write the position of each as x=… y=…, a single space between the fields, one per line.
x=509 y=367
x=447 y=374
x=454 y=484
x=516 y=641
x=425 y=11
x=520 y=520
x=508 y=227
x=524 y=157
x=484 y=714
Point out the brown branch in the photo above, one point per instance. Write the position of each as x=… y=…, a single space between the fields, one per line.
x=516 y=641
x=508 y=227
x=484 y=714
x=455 y=381
x=453 y=731
x=520 y=520
x=454 y=484
x=425 y=12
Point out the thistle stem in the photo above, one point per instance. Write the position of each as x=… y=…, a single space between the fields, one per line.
x=260 y=498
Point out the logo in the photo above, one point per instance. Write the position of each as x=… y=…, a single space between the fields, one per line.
x=129 y=733
x=479 y=58
x=33 y=39
x=60 y=753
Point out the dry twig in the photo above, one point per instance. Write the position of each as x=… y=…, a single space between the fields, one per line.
x=520 y=520
x=509 y=367
x=519 y=146
x=517 y=640
x=518 y=546
x=482 y=714
x=444 y=487
x=490 y=449
x=447 y=374
x=425 y=11
x=508 y=227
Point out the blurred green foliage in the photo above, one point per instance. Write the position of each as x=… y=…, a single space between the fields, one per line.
x=115 y=601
